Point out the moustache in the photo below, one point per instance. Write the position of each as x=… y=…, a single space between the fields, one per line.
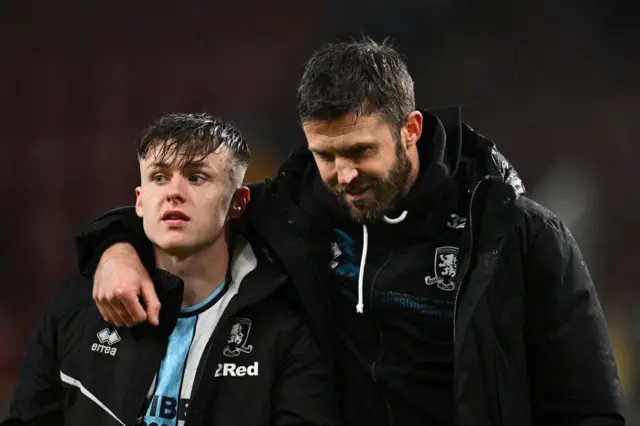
x=355 y=187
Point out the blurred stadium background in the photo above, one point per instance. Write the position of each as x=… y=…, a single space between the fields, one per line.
x=553 y=82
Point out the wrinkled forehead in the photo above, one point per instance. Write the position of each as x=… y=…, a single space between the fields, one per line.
x=348 y=131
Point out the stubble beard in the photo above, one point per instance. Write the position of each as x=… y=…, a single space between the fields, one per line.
x=387 y=192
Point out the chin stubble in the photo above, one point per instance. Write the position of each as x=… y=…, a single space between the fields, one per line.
x=387 y=193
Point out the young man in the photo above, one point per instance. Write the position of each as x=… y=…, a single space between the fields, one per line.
x=228 y=350
x=454 y=299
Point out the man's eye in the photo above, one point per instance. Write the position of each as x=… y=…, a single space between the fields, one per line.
x=359 y=152
x=196 y=179
x=159 y=178
x=325 y=156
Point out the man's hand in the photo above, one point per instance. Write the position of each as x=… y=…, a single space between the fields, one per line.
x=119 y=283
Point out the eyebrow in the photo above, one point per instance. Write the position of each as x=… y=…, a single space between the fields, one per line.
x=353 y=147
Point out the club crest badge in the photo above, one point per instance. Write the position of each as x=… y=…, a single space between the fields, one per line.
x=445 y=265
x=237 y=342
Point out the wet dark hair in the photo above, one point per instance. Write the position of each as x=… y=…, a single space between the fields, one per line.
x=361 y=77
x=191 y=138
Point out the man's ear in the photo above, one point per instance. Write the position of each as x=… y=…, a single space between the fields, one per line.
x=239 y=202
x=412 y=129
x=138 y=202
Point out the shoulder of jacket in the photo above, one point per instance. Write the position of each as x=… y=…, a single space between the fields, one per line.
x=259 y=194
x=71 y=295
x=535 y=211
x=536 y=218
x=256 y=188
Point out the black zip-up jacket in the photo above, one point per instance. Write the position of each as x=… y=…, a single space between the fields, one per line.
x=71 y=376
x=530 y=338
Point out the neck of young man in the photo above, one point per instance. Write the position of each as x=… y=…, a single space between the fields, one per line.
x=202 y=272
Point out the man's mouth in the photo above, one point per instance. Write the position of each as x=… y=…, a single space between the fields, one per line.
x=356 y=191
x=354 y=195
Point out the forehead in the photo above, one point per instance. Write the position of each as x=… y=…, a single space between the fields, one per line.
x=347 y=131
x=158 y=156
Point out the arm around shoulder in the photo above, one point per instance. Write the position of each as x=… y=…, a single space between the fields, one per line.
x=572 y=372
x=119 y=225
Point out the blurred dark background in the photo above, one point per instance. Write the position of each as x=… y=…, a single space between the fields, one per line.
x=554 y=83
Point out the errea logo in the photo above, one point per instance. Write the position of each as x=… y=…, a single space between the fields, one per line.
x=107 y=339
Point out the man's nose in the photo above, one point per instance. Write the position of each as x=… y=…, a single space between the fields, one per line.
x=346 y=173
